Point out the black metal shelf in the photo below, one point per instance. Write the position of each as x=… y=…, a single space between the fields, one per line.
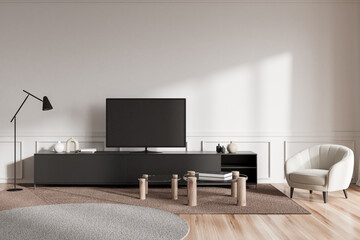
x=245 y=163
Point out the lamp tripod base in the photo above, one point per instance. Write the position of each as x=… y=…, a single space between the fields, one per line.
x=14 y=189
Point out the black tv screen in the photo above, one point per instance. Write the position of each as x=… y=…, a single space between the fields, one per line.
x=145 y=122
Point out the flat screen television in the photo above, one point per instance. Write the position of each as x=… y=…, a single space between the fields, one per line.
x=145 y=122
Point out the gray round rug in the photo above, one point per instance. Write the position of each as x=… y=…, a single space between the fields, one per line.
x=90 y=221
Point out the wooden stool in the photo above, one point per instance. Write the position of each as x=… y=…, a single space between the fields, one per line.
x=189 y=173
x=142 y=191
x=146 y=176
x=241 y=191
x=174 y=187
x=192 y=191
x=235 y=175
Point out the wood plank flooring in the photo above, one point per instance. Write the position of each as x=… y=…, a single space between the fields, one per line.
x=4 y=186
x=337 y=219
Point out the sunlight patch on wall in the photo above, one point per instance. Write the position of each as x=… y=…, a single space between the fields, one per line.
x=274 y=107
x=253 y=97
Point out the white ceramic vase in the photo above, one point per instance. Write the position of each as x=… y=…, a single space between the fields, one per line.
x=59 y=147
x=232 y=147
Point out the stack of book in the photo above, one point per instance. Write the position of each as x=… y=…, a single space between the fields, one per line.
x=215 y=176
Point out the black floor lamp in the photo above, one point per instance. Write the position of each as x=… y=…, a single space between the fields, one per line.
x=46 y=106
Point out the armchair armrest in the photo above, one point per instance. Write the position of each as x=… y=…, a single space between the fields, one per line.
x=340 y=173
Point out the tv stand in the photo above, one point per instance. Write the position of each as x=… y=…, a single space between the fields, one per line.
x=145 y=151
x=124 y=168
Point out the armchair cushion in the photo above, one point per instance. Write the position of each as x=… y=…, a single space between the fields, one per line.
x=309 y=176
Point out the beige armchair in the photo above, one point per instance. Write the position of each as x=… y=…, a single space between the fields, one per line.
x=323 y=168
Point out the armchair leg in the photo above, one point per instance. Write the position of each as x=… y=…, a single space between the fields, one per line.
x=310 y=191
x=345 y=193
x=291 y=192
x=325 y=195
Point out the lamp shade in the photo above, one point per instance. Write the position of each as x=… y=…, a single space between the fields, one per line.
x=46 y=104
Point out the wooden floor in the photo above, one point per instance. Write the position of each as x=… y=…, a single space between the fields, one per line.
x=337 y=219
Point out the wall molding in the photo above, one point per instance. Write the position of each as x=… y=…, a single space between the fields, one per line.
x=274 y=151
x=37 y=144
x=19 y=160
x=327 y=134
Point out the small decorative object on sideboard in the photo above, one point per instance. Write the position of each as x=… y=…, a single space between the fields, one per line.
x=69 y=141
x=218 y=148
x=232 y=147
x=59 y=147
x=222 y=149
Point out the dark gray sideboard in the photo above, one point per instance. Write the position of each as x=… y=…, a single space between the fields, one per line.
x=124 y=168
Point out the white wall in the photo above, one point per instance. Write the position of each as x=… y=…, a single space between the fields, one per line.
x=274 y=76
